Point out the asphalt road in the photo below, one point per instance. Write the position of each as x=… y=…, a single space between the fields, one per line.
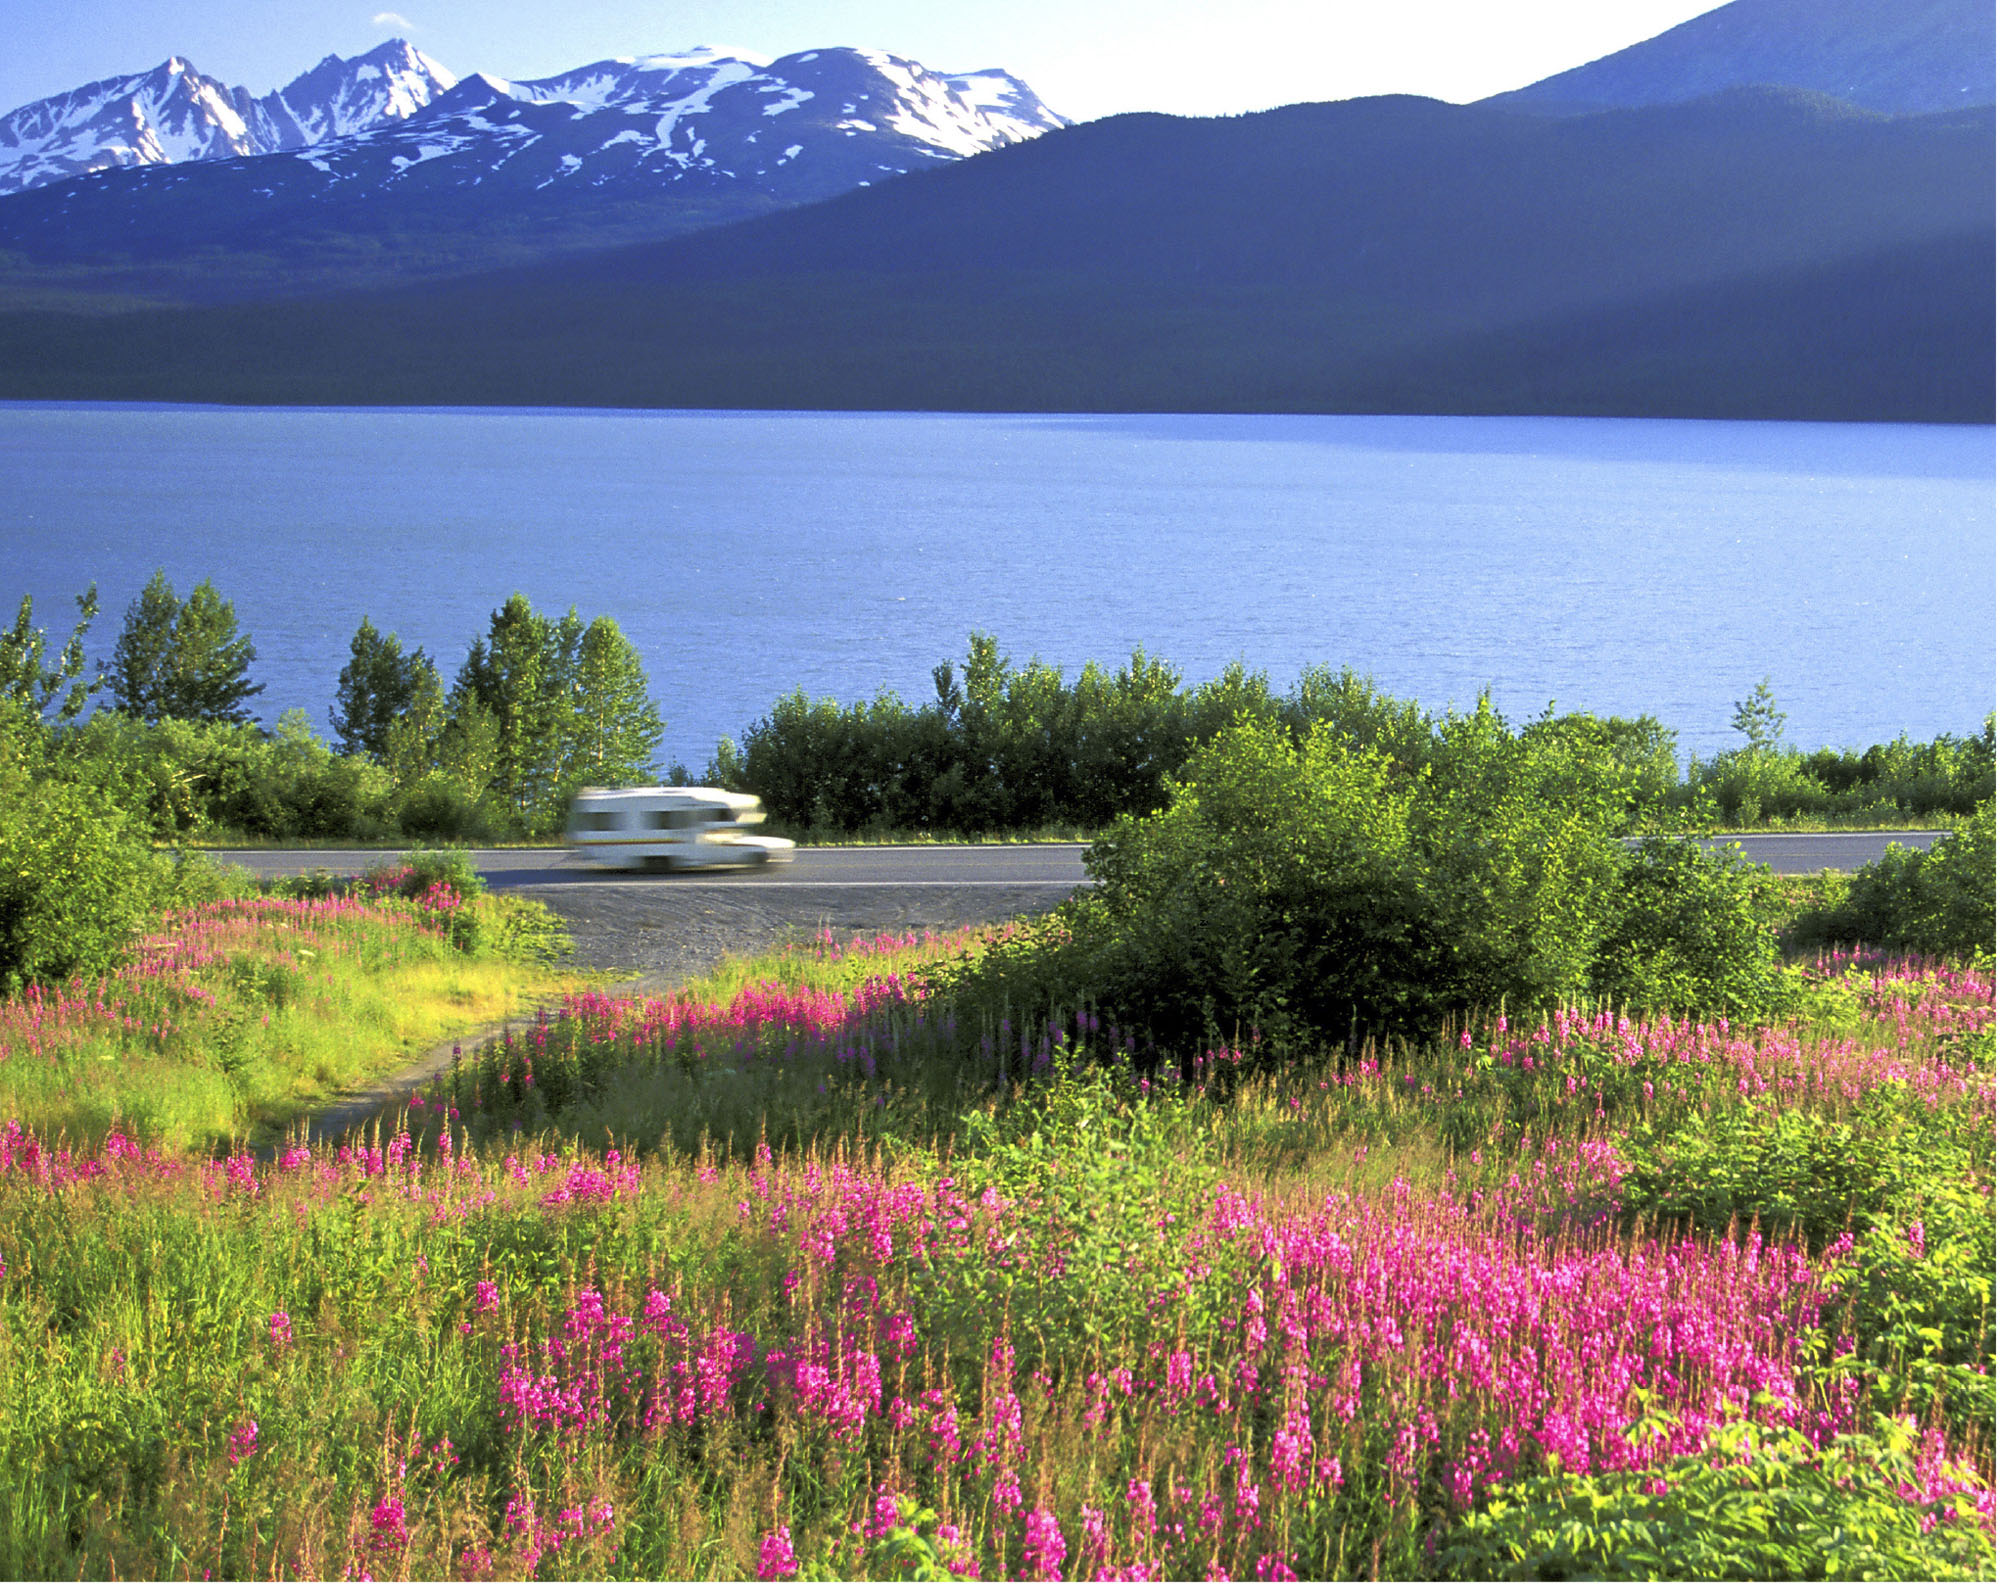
x=871 y=866
x=917 y=866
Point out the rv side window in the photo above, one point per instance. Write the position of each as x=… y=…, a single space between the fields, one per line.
x=715 y=813
x=661 y=821
x=596 y=821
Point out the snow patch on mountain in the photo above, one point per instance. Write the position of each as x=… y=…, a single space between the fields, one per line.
x=174 y=114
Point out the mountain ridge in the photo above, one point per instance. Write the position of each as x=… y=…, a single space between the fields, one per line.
x=486 y=167
x=1747 y=255
x=174 y=115
x=1902 y=57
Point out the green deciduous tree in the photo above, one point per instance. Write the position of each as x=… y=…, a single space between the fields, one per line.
x=568 y=706
x=1758 y=718
x=182 y=659
x=377 y=689
x=617 y=726
x=27 y=676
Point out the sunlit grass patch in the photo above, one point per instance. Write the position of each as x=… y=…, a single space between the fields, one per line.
x=236 y=1017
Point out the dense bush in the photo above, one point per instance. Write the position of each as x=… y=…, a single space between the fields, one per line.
x=1688 y=935
x=76 y=881
x=77 y=873
x=1766 y=781
x=1325 y=889
x=1925 y=901
x=1006 y=749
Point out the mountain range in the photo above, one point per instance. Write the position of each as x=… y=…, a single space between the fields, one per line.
x=1741 y=251
x=177 y=186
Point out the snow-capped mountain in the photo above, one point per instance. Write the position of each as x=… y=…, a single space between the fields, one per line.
x=704 y=110
x=175 y=114
x=175 y=184
x=802 y=127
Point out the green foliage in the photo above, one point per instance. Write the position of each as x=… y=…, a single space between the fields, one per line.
x=1756 y=1504
x=912 y=1550
x=182 y=659
x=1898 y=781
x=378 y=688
x=423 y=869
x=1689 y=935
x=567 y=705
x=1758 y=718
x=1906 y=1214
x=438 y=808
x=1321 y=889
x=76 y=880
x=1276 y=894
x=1797 y=1175
x=617 y=728
x=1095 y=1166
x=1933 y=901
x=182 y=778
x=31 y=681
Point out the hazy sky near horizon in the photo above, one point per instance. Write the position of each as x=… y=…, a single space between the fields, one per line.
x=1086 y=58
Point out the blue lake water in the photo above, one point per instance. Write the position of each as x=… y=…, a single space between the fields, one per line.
x=1612 y=565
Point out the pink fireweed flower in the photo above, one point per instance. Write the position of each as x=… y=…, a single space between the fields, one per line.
x=387 y=1529
x=775 y=1559
x=887 y=1515
x=1044 y=1550
x=281 y=1328
x=242 y=1442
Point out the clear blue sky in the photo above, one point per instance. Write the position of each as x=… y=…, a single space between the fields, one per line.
x=1087 y=58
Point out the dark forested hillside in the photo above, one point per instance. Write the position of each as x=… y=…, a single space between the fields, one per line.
x=1756 y=253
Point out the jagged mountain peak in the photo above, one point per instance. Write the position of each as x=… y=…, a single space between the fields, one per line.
x=392 y=144
x=174 y=114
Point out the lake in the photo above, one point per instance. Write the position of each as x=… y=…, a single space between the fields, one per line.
x=1618 y=566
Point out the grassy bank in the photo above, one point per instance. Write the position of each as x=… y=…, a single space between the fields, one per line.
x=233 y=1019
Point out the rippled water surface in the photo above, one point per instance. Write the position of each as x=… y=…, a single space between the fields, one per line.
x=1615 y=565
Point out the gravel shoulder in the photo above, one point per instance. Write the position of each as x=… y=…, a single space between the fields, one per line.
x=662 y=934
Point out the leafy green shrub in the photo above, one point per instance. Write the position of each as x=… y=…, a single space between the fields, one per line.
x=1093 y=1165
x=439 y=808
x=453 y=868
x=1936 y=901
x=520 y=929
x=1795 y=1174
x=1311 y=891
x=1905 y=1214
x=1688 y=936
x=77 y=879
x=1765 y=781
x=1919 y=1290
x=1757 y=1504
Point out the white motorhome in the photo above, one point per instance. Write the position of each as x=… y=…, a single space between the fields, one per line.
x=667 y=829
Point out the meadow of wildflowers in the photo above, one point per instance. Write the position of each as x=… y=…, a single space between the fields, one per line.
x=797 y=1275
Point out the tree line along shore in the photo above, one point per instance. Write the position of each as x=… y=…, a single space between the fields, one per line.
x=543 y=704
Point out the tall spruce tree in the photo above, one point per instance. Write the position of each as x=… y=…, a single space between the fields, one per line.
x=182 y=659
